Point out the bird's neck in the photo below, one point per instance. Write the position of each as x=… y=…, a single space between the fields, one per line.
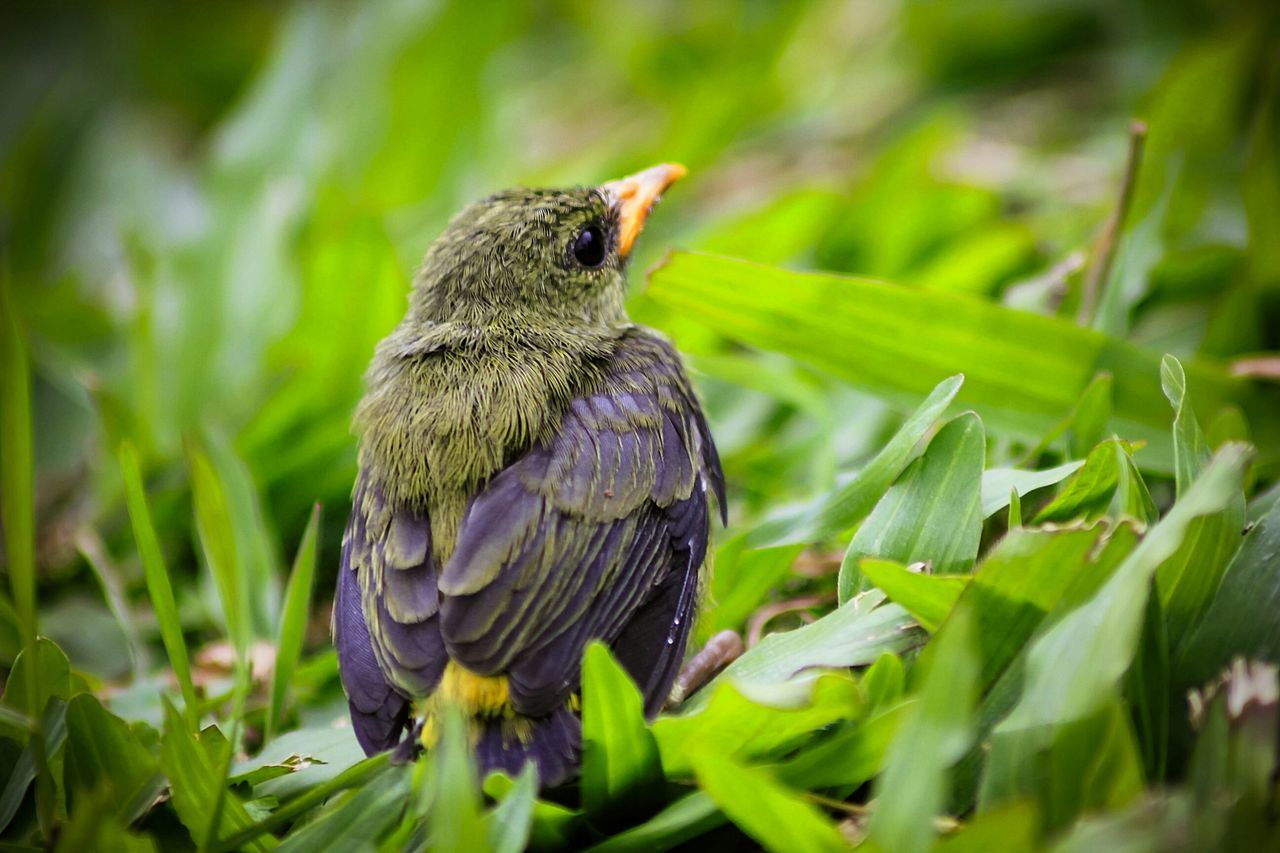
x=450 y=405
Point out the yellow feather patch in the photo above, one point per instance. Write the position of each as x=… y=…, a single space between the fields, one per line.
x=476 y=695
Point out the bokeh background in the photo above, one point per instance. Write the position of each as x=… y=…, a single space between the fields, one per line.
x=210 y=213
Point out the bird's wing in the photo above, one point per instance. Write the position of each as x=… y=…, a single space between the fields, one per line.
x=597 y=533
x=386 y=623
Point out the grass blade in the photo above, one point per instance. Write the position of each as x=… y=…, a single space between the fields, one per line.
x=17 y=487
x=293 y=623
x=17 y=519
x=157 y=576
x=218 y=542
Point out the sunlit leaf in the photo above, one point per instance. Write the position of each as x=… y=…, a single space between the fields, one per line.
x=1023 y=372
x=932 y=514
x=999 y=483
x=785 y=664
x=929 y=598
x=848 y=504
x=735 y=726
x=1188 y=579
x=768 y=811
x=935 y=733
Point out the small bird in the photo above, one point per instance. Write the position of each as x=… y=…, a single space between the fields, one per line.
x=535 y=472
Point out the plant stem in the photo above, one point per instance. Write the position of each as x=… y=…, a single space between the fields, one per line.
x=1104 y=252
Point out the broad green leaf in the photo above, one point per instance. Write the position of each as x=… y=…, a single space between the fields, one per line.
x=14 y=725
x=157 y=575
x=254 y=550
x=851 y=755
x=998 y=484
x=43 y=666
x=933 y=513
x=293 y=621
x=1091 y=415
x=786 y=663
x=1132 y=498
x=1023 y=372
x=510 y=821
x=685 y=819
x=1188 y=579
x=1147 y=690
x=1087 y=493
x=359 y=821
x=621 y=767
x=1027 y=576
x=94 y=825
x=1241 y=621
x=551 y=826
x=356 y=776
x=1073 y=669
x=884 y=681
x=771 y=813
x=1190 y=453
x=929 y=598
x=456 y=824
x=104 y=756
x=315 y=754
x=850 y=503
x=1089 y=764
x=1032 y=578
x=936 y=733
x=1085 y=424
x=191 y=765
x=735 y=726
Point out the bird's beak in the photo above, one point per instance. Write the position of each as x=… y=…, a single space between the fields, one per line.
x=635 y=195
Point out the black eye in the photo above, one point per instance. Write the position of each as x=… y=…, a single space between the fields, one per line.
x=589 y=246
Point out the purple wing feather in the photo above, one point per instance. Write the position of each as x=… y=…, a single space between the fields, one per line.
x=385 y=619
x=599 y=533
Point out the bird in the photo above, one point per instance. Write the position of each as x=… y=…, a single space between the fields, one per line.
x=535 y=472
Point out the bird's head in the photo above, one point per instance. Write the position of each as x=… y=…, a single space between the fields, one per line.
x=539 y=254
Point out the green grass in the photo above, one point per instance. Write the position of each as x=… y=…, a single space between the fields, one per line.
x=990 y=394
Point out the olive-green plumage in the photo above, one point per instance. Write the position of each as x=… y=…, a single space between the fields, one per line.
x=533 y=475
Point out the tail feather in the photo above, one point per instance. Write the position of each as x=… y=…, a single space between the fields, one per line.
x=553 y=743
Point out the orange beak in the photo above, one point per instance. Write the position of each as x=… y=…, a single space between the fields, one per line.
x=635 y=195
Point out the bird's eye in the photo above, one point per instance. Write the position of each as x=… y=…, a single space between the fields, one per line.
x=589 y=246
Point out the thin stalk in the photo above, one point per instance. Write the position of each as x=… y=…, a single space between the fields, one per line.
x=1104 y=252
x=17 y=515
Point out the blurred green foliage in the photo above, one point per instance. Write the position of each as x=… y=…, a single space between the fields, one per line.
x=209 y=215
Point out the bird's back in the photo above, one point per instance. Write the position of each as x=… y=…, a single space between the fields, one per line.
x=498 y=447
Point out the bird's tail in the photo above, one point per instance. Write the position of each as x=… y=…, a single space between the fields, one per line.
x=553 y=743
